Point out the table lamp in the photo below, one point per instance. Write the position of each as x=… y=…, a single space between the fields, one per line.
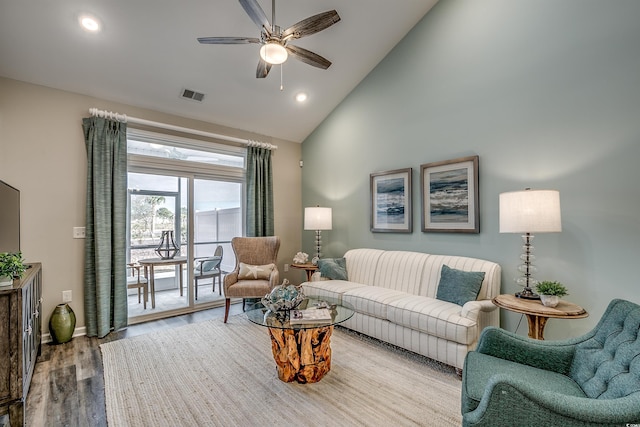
x=318 y=219
x=528 y=212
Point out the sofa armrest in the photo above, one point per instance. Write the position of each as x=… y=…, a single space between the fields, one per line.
x=472 y=309
x=317 y=277
x=549 y=355
x=536 y=407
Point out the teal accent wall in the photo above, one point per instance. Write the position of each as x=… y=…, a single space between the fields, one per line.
x=547 y=94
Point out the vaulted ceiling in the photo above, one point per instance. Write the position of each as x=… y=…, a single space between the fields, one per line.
x=146 y=54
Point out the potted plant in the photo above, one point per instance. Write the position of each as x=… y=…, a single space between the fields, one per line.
x=11 y=266
x=550 y=292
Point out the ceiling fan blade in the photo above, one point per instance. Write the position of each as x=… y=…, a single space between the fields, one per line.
x=228 y=40
x=311 y=25
x=263 y=69
x=308 y=57
x=256 y=14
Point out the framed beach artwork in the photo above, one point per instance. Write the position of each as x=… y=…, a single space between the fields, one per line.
x=450 y=196
x=391 y=201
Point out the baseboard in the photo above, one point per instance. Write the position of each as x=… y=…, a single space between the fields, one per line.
x=77 y=332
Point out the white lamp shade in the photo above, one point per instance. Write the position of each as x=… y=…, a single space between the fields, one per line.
x=530 y=211
x=317 y=218
x=273 y=53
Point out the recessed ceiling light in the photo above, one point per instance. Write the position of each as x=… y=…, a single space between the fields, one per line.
x=89 y=23
x=301 y=97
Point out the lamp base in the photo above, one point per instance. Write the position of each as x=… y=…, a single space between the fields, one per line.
x=318 y=245
x=527 y=293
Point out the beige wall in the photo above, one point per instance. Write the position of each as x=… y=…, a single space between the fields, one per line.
x=42 y=153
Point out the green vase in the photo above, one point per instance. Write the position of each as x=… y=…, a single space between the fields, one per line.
x=62 y=323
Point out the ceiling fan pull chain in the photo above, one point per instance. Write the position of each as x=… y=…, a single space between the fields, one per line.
x=281 y=85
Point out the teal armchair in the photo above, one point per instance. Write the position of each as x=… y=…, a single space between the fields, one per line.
x=592 y=380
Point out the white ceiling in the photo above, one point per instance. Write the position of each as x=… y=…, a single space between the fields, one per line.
x=147 y=53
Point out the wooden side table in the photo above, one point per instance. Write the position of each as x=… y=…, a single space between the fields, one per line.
x=538 y=314
x=308 y=267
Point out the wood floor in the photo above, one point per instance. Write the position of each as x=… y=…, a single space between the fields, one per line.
x=67 y=388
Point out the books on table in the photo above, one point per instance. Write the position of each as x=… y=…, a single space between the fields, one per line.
x=310 y=315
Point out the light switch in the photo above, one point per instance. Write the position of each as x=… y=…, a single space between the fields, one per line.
x=78 y=232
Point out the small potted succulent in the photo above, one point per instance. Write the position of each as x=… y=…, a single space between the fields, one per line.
x=550 y=292
x=11 y=266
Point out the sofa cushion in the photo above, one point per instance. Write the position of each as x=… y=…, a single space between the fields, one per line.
x=434 y=317
x=372 y=300
x=459 y=286
x=333 y=268
x=400 y=270
x=479 y=368
x=330 y=288
x=361 y=264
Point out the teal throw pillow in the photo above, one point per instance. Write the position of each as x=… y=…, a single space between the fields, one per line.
x=459 y=286
x=333 y=268
x=209 y=265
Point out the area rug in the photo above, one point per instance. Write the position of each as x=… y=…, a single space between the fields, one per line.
x=216 y=374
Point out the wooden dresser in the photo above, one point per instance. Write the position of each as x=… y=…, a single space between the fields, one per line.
x=20 y=336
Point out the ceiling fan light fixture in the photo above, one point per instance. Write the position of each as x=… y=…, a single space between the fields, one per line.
x=273 y=53
x=89 y=23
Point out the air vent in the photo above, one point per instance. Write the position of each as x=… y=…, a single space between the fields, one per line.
x=192 y=94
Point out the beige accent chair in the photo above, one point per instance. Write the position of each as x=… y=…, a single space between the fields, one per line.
x=252 y=251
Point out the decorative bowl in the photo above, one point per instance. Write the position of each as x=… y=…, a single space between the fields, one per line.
x=283 y=297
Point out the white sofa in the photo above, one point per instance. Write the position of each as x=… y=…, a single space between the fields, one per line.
x=394 y=296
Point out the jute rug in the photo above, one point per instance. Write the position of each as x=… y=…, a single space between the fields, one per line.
x=212 y=374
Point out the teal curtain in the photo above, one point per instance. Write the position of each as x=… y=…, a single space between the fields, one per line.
x=105 y=286
x=259 y=193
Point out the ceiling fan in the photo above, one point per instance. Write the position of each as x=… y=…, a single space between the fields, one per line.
x=275 y=42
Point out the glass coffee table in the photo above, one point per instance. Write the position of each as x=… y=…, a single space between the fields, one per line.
x=302 y=351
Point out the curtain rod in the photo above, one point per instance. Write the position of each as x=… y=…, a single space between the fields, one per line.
x=127 y=119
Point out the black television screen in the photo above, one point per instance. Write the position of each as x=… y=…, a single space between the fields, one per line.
x=9 y=218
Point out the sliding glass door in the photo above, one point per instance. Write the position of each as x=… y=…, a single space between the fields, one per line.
x=190 y=194
x=157 y=205
x=217 y=220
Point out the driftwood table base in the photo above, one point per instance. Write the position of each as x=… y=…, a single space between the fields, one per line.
x=302 y=355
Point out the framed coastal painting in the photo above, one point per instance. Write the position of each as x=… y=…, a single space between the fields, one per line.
x=450 y=196
x=391 y=201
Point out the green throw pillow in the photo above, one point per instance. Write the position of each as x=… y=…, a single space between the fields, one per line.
x=459 y=286
x=333 y=268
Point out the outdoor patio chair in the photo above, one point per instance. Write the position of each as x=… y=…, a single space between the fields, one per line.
x=209 y=268
x=135 y=280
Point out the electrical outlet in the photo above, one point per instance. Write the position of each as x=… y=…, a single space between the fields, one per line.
x=79 y=233
x=66 y=296
x=286 y=268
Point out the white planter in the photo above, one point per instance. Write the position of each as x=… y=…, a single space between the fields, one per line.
x=6 y=281
x=549 y=300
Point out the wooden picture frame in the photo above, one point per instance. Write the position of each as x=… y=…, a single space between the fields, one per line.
x=390 y=202
x=450 y=196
